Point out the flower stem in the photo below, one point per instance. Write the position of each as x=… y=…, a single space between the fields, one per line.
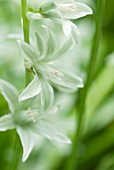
x=26 y=26
x=74 y=158
x=15 y=155
x=26 y=22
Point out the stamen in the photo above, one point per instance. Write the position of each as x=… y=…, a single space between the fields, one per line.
x=56 y=74
x=67 y=7
x=32 y=115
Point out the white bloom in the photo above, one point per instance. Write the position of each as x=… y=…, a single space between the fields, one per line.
x=44 y=65
x=60 y=12
x=28 y=121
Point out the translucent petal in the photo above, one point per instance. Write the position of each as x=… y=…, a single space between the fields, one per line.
x=74 y=31
x=64 y=78
x=6 y=122
x=51 y=46
x=66 y=28
x=10 y=93
x=46 y=95
x=74 y=10
x=28 y=141
x=40 y=44
x=33 y=89
x=29 y=52
x=51 y=132
x=63 y=49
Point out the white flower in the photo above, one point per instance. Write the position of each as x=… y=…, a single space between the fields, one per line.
x=46 y=70
x=28 y=122
x=61 y=12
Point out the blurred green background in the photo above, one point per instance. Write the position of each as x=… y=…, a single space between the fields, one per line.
x=96 y=147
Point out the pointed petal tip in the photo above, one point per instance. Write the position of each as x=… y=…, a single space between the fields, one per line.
x=21 y=98
x=69 y=142
x=33 y=89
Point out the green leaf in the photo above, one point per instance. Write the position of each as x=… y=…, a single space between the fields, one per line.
x=10 y=93
x=103 y=84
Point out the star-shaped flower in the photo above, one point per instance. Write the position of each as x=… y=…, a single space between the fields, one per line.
x=27 y=120
x=44 y=65
x=61 y=12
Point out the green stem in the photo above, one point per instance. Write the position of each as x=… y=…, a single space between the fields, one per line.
x=26 y=26
x=73 y=161
x=26 y=22
x=15 y=162
x=15 y=155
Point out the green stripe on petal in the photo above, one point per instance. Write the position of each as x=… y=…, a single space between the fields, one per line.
x=33 y=89
x=74 y=10
x=46 y=95
x=51 y=46
x=64 y=78
x=6 y=122
x=40 y=44
x=63 y=49
x=28 y=52
x=74 y=31
x=10 y=93
x=51 y=132
x=28 y=141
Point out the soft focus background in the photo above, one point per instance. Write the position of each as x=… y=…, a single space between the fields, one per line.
x=96 y=147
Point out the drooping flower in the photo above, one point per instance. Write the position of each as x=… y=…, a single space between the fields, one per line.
x=45 y=68
x=61 y=12
x=28 y=121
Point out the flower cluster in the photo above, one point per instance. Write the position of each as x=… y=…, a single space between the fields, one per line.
x=31 y=109
x=59 y=11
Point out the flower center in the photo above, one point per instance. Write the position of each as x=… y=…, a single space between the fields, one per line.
x=31 y=115
x=56 y=74
x=67 y=7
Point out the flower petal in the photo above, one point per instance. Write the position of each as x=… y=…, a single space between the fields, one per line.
x=29 y=52
x=46 y=95
x=64 y=78
x=10 y=93
x=74 y=31
x=33 y=89
x=63 y=49
x=40 y=44
x=51 y=46
x=66 y=28
x=51 y=132
x=6 y=122
x=74 y=10
x=28 y=141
